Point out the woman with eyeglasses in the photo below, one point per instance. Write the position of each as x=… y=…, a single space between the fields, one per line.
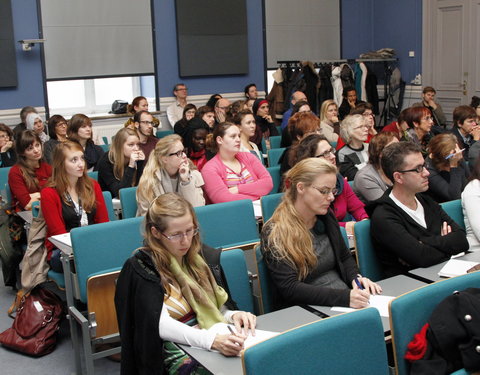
x=370 y=182
x=366 y=110
x=71 y=198
x=172 y=290
x=122 y=165
x=8 y=157
x=303 y=249
x=169 y=171
x=57 y=128
x=80 y=130
x=354 y=155
x=233 y=175
x=346 y=203
x=448 y=171
x=420 y=122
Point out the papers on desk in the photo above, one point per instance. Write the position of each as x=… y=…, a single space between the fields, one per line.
x=62 y=242
x=378 y=301
x=260 y=335
x=456 y=267
x=257 y=208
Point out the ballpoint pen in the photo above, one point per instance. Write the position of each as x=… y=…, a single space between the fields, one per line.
x=451 y=155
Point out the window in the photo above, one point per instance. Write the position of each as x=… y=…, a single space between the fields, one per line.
x=90 y=96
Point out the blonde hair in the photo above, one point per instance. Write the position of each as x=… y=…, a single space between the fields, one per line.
x=116 y=155
x=324 y=108
x=348 y=125
x=145 y=191
x=289 y=235
x=163 y=208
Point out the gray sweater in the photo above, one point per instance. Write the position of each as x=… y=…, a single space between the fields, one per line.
x=368 y=185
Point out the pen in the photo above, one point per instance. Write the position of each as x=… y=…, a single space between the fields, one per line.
x=231 y=330
x=360 y=286
x=451 y=155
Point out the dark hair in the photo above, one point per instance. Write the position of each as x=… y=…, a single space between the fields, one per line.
x=75 y=123
x=24 y=141
x=247 y=88
x=218 y=131
x=475 y=172
x=475 y=102
x=187 y=108
x=52 y=123
x=307 y=147
x=296 y=107
x=415 y=114
x=135 y=103
x=175 y=88
x=239 y=116
x=347 y=89
x=428 y=89
x=393 y=157
x=376 y=146
x=204 y=109
x=361 y=108
x=6 y=129
x=236 y=107
x=25 y=111
x=213 y=100
x=462 y=113
x=138 y=115
x=402 y=116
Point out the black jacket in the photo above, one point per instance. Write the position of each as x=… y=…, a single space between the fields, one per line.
x=138 y=301
x=402 y=244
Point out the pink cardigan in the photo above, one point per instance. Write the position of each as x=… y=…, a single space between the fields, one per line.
x=348 y=203
x=214 y=175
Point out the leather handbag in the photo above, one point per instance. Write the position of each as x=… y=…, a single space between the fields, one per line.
x=34 y=330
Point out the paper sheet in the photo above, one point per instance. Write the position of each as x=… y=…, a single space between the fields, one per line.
x=257 y=208
x=378 y=301
x=456 y=267
x=260 y=335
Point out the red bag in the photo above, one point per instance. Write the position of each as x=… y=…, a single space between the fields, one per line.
x=34 y=330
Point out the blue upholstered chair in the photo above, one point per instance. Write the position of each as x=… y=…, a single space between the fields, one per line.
x=164 y=133
x=409 y=312
x=235 y=269
x=274 y=156
x=269 y=203
x=266 y=285
x=455 y=211
x=351 y=343
x=93 y=175
x=4 y=187
x=275 y=141
x=107 y=196
x=367 y=260
x=128 y=201
x=276 y=178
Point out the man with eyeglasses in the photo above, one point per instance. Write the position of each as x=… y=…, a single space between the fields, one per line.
x=175 y=110
x=143 y=122
x=222 y=110
x=410 y=230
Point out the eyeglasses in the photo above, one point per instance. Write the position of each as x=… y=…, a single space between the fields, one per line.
x=61 y=124
x=179 y=236
x=179 y=154
x=418 y=169
x=326 y=191
x=427 y=118
x=327 y=153
x=146 y=122
x=182 y=89
x=361 y=126
x=368 y=115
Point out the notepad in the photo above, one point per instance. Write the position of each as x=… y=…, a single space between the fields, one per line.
x=378 y=301
x=260 y=335
x=456 y=267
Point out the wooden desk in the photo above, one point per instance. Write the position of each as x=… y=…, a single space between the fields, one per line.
x=393 y=286
x=431 y=273
x=277 y=321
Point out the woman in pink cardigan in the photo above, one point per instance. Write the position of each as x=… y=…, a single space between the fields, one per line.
x=233 y=175
x=346 y=202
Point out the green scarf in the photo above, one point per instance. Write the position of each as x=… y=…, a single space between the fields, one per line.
x=205 y=297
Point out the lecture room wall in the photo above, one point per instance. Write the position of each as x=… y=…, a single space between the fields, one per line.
x=367 y=25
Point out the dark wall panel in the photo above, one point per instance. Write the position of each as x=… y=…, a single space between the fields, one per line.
x=8 y=63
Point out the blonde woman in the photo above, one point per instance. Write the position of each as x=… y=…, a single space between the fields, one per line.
x=303 y=248
x=167 y=293
x=329 y=120
x=123 y=165
x=169 y=171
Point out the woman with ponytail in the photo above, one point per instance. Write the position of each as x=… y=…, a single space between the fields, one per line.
x=305 y=253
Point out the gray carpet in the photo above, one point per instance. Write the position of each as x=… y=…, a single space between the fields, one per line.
x=60 y=362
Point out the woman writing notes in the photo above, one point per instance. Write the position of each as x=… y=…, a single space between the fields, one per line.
x=166 y=293
x=303 y=248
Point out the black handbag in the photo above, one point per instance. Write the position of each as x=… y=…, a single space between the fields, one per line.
x=119 y=107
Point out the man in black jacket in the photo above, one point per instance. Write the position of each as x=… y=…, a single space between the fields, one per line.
x=410 y=230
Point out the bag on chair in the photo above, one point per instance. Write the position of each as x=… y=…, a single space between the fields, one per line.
x=34 y=330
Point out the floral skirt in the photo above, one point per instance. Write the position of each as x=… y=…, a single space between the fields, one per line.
x=177 y=362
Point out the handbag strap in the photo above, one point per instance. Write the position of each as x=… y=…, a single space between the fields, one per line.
x=19 y=297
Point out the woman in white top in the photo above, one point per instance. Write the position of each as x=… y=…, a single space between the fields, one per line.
x=245 y=120
x=329 y=120
x=470 y=204
x=169 y=170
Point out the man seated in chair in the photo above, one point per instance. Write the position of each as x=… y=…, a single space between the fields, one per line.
x=408 y=229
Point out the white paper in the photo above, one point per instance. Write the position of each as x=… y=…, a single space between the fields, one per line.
x=257 y=208
x=456 y=267
x=378 y=301
x=260 y=335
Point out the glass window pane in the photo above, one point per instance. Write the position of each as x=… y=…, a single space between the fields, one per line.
x=107 y=90
x=66 y=94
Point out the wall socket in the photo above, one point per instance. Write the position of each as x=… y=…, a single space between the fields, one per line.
x=411 y=53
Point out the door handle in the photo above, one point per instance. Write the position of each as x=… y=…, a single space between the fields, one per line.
x=464 y=87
